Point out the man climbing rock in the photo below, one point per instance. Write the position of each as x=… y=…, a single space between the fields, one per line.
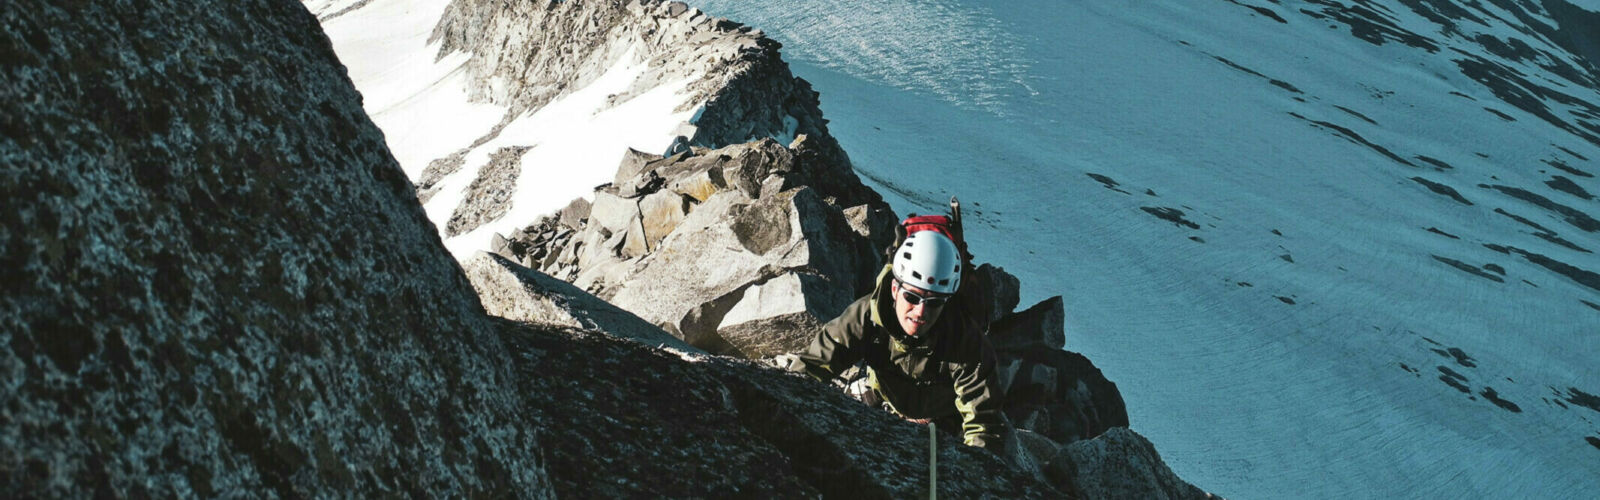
x=923 y=342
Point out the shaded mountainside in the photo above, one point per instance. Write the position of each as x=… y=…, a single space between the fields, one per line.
x=220 y=281
x=217 y=277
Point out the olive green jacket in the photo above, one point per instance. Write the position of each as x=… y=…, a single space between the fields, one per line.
x=949 y=370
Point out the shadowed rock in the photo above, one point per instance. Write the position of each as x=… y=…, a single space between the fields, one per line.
x=1118 y=464
x=633 y=162
x=1039 y=327
x=1561 y=183
x=1059 y=394
x=1442 y=189
x=1004 y=290
x=1172 y=215
x=575 y=213
x=1494 y=397
x=218 y=279
x=514 y=292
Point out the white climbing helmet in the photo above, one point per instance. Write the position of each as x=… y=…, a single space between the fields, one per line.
x=930 y=261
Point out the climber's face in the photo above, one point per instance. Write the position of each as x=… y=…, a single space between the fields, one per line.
x=917 y=309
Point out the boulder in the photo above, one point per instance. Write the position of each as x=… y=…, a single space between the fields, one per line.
x=640 y=185
x=612 y=212
x=746 y=166
x=660 y=213
x=781 y=315
x=1030 y=452
x=751 y=242
x=575 y=213
x=1118 y=464
x=728 y=221
x=869 y=221
x=514 y=292
x=699 y=184
x=636 y=243
x=595 y=247
x=1042 y=326
x=1004 y=290
x=633 y=164
x=500 y=245
x=1059 y=394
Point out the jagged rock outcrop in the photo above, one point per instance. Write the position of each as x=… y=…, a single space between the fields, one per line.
x=1118 y=464
x=1050 y=390
x=219 y=282
x=741 y=250
x=524 y=54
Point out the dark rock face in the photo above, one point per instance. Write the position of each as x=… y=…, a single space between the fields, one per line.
x=218 y=279
x=1057 y=393
x=714 y=426
x=1118 y=464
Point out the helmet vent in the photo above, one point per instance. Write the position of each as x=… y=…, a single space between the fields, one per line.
x=944 y=282
x=916 y=275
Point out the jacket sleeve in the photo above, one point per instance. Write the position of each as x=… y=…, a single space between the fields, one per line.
x=839 y=344
x=979 y=399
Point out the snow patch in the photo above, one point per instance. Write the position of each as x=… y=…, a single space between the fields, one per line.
x=577 y=142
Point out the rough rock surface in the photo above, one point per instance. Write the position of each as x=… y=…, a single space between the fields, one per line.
x=1119 y=464
x=741 y=250
x=514 y=292
x=489 y=195
x=1054 y=392
x=693 y=425
x=217 y=278
x=1042 y=326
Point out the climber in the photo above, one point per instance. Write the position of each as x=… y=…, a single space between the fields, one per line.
x=931 y=360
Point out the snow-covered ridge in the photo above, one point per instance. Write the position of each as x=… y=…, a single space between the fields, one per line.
x=503 y=111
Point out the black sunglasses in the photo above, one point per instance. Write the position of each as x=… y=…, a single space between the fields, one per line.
x=914 y=298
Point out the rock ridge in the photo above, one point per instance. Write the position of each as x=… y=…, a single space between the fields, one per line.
x=734 y=73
